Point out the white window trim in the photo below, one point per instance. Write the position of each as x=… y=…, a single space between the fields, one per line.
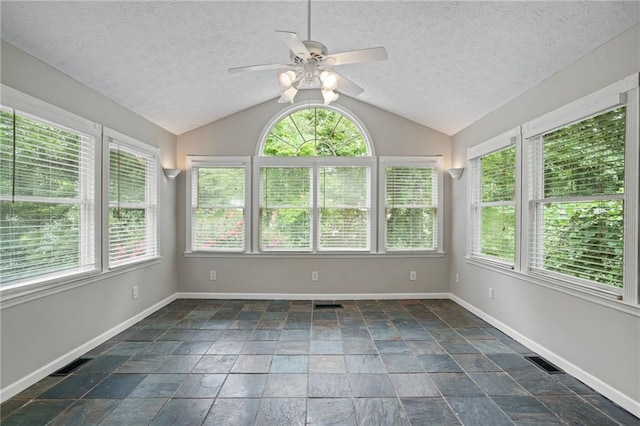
x=507 y=139
x=27 y=104
x=623 y=92
x=417 y=161
x=194 y=161
x=110 y=136
x=314 y=163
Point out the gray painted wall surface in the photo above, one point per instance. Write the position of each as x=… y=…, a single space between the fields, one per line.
x=599 y=340
x=36 y=333
x=239 y=134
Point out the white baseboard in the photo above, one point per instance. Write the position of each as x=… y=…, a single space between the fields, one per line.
x=613 y=394
x=312 y=296
x=23 y=383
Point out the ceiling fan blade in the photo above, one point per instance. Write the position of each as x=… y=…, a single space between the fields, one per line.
x=348 y=87
x=295 y=44
x=357 y=56
x=259 y=67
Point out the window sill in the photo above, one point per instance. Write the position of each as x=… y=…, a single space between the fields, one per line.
x=609 y=299
x=26 y=293
x=334 y=255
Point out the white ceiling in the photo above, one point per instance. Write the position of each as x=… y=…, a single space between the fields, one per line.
x=450 y=63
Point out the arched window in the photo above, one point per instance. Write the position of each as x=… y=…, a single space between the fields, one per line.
x=314 y=186
x=316 y=172
x=315 y=132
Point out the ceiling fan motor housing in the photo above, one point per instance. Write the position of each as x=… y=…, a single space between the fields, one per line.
x=317 y=50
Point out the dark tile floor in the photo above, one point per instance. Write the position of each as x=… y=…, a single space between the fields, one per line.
x=241 y=362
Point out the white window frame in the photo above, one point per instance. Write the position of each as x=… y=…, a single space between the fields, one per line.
x=196 y=161
x=90 y=241
x=152 y=196
x=314 y=163
x=623 y=92
x=510 y=138
x=430 y=162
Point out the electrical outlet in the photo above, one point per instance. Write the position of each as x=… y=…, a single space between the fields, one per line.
x=134 y=292
x=412 y=275
x=314 y=276
x=212 y=275
x=490 y=292
x=457 y=278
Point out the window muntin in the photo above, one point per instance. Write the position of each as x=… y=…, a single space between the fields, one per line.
x=411 y=204
x=577 y=193
x=133 y=205
x=47 y=199
x=493 y=205
x=315 y=132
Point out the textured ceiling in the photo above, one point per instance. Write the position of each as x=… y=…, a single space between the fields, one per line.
x=450 y=63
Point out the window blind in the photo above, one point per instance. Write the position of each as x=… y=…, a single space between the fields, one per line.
x=219 y=215
x=576 y=185
x=411 y=198
x=285 y=212
x=344 y=200
x=493 y=221
x=133 y=192
x=47 y=198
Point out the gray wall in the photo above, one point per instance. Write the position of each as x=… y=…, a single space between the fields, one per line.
x=602 y=341
x=37 y=332
x=239 y=134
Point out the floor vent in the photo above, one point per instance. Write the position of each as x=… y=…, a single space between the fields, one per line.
x=71 y=367
x=328 y=306
x=544 y=365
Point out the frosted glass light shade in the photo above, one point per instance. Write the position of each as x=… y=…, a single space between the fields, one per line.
x=286 y=79
x=171 y=173
x=456 y=173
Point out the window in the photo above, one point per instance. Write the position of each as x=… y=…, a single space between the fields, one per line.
x=315 y=184
x=218 y=198
x=133 y=200
x=411 y=203
x=573 y=221
x=492 y=194
x=577 y=193
x=47 y=192
x=313 y=188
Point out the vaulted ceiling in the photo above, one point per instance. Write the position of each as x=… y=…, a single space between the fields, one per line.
x=450 y=63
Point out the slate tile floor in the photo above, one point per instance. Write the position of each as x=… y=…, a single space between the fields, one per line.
x=241 y=362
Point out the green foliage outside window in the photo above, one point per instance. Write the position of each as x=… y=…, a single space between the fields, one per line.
x=38 y=234
x=410 y=215
x=498 y=222
x=584 y=238
x=315 y=132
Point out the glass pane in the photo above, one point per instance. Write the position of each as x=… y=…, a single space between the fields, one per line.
x=586 y=158
x=498 y=176
x=410 y=228
x=315 y=132
x=37 y=239
x=585 y=240
x=285 y=229
x=344 y=229
x=127 y=233
x=127 y=177
x=409 y=187
x=285 y=208
x=221 y=186
x=219 y=229
x=498 y=232
x=47 y=159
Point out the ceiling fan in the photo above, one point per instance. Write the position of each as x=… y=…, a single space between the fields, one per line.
x=311 y=64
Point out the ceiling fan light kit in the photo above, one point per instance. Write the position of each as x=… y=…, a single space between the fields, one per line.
x=309 y=67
